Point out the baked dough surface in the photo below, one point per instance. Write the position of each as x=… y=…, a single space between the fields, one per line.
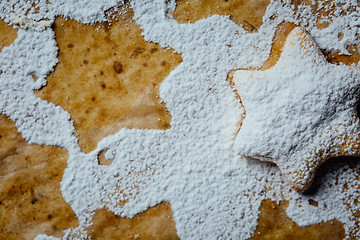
x=108 y=78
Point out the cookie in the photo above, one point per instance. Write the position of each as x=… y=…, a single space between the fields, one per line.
x=300 y=112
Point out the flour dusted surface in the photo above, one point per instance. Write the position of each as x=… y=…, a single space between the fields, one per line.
x=213 y=192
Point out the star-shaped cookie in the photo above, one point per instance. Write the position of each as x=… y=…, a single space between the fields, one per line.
x=300 y=112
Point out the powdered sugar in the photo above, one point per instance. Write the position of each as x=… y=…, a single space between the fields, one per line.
x=299 y=112
x=213 y=192
x=40 y=14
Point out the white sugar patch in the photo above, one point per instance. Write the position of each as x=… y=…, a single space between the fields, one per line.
x=40 y=14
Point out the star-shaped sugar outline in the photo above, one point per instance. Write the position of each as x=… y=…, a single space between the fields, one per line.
x=300 y=112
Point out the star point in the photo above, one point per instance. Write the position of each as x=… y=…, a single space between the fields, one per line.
x=300 y=112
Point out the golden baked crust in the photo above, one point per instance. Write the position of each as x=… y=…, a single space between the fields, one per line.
x=118 y=73
x=30 y=199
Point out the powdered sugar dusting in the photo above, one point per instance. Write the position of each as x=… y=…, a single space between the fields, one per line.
x=299 y=112
x=40 y=14
x=214 y=193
